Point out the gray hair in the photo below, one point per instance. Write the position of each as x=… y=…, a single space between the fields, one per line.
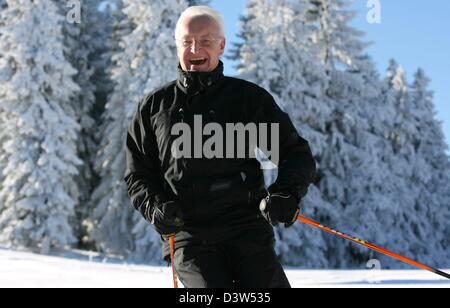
x=201 y=11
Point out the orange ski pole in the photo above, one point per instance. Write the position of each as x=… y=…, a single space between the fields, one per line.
x=372 y=246
x=172 y=255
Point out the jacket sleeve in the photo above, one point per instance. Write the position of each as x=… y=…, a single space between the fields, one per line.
x=296 y=164
x=143 y=176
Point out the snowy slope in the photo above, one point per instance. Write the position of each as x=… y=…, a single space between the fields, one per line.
x=21 y=269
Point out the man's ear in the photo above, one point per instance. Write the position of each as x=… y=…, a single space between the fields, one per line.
x=222 y=46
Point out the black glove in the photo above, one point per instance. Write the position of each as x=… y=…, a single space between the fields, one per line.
x=280 y=207
x=167 y=217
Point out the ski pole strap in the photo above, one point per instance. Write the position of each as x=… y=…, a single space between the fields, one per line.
x=371 y=246
x=172 y=259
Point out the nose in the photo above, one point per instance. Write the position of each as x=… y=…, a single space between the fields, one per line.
x=194 y=46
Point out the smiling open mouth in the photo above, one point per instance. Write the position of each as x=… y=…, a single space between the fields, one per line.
x=198 y=61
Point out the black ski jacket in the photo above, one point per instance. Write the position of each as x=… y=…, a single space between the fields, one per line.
x=219 y=196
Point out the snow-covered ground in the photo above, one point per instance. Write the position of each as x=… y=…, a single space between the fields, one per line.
x=78 y=269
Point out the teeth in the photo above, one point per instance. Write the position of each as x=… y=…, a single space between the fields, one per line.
x=198 y=59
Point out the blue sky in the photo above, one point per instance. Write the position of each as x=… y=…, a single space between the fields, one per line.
x=414 y=32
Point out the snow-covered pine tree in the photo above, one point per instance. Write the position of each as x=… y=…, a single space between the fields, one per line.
x=362 y=118
x=432 y=175
x=277 y=53
x=147 y=61
x=339 y=43
x=398 y=86
x=40 y=148
x=78 y=38
x=361 y=170
x=3 y=139
x=5 y=71
x=339 y=48
x=90 y=46
x=393 y=212
x=382 y=188
x=356 y=179
x=323 y=100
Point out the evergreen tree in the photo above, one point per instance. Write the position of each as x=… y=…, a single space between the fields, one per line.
x=391 y=220
x=353 y=174
x=89 y=45
x=278 y=54
x=78 y=38
x=5 y=72
x=368 y=192
x=431 y=174
x=339 y=43
x=333 y=111
x=360 y=129
x=39 y=154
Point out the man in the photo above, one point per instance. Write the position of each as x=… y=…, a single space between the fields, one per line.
x=211 y=204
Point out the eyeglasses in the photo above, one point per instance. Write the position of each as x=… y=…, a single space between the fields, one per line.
x=203 y=42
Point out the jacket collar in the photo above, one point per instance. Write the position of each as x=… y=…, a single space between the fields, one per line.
x=191 y=82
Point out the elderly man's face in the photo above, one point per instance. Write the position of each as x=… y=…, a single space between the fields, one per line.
x=199 y=44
